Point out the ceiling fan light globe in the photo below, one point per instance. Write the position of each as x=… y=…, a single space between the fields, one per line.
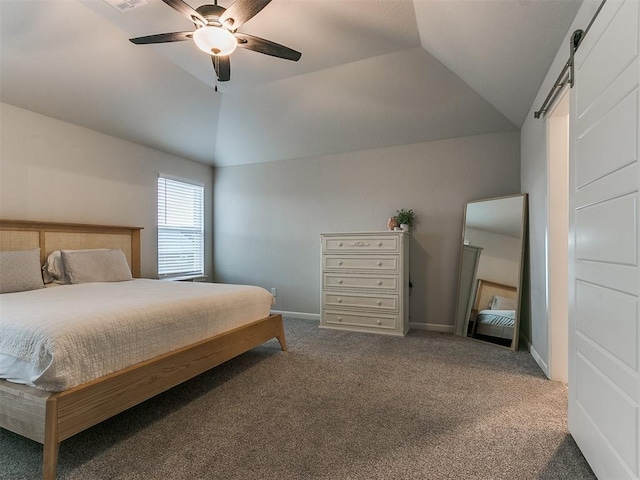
x=215 y=41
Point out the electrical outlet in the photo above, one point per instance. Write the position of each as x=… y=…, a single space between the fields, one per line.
x=274 y=292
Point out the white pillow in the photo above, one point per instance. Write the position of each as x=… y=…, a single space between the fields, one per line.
x=20 y=271
x=95 y=266
x=53 y=268
x=503 y=303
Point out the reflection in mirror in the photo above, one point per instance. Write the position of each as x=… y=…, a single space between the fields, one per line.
x=490 y=277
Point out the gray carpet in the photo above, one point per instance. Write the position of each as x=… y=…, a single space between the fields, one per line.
x=336 y=406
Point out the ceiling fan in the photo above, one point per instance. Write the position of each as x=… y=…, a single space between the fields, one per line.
x=216 y=33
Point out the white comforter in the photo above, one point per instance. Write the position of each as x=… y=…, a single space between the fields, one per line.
x=71 y=334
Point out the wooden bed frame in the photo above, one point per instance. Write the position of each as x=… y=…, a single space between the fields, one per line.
x=49 y=418
x=485 y=292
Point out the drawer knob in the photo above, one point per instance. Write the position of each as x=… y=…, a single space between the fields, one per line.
x=340 y=262
x=379 y=244
x=340 y=281
x=379 y=282
x=339 y=244
x=379 y=264
x=379 y=322
x=339 y=319
x=378 y=302
x=339 y=300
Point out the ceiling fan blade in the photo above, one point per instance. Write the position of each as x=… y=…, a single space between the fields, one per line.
x=267 y=47
x=222 y=66
x=240 y=11
x=162 y=38
x=187 y=11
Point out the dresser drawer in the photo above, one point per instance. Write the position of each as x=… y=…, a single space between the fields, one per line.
x=361 y=244
x=361 y=281
x=386 y=263
x=387 y=303
x=355 y=319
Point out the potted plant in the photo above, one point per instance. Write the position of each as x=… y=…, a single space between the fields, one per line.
x=404 y=218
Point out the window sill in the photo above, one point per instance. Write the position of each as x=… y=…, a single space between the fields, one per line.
x=185 y=278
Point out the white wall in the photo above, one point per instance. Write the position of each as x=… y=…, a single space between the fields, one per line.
x=55 y=171
x=500 y=257
x=534 y=181
x=268 y=217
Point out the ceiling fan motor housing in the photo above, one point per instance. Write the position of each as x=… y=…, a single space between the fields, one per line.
x=212 y=13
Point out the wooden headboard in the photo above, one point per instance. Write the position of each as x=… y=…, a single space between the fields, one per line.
x=486 y=290
x=49 y=236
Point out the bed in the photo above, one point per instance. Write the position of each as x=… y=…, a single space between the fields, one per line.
x=496 y=306
x=49 y=417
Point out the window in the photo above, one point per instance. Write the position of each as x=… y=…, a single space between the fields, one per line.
x=180 y=229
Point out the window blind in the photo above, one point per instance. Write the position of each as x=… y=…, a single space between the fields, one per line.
x=180 y=228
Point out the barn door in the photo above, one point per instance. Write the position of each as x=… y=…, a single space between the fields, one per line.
x=604 y=325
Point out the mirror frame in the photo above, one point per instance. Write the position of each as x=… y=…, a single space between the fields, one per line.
x=524 y=228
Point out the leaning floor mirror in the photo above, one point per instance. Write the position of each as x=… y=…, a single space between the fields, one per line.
x=490 y=275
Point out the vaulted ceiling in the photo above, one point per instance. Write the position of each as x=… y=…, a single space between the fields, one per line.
x=372 y=74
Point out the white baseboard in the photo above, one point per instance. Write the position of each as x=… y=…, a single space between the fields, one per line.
x=541 y=363
x=433 y=327
x=301 y=315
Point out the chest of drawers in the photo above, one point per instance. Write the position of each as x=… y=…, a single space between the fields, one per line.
x=365 y=282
